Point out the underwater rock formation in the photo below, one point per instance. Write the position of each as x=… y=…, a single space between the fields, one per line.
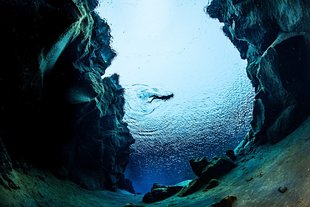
x=207 y=172
x=160 y=192
x=56 y=112
x=5 y=169
x=226 y=202
x=198 y=165
x=274 y=38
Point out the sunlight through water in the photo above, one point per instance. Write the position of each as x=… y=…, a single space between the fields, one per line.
x=172 y=46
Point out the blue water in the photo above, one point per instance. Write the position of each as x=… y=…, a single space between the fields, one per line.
x=173 y=47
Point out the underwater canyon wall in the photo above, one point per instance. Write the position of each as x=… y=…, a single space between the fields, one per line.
x=274 y=37
x=56 y=112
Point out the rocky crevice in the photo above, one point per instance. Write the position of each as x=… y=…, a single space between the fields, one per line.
x=6 y=178
x=274 y=38
x=56 y=110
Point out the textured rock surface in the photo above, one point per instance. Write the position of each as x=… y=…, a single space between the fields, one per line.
x=217 y=168
x=198 y=165
x=160 y=192
x=226 y=202
x=6 y=179
x=212 y=184
x=55 y=109
x=274 y=37
x=283 y=164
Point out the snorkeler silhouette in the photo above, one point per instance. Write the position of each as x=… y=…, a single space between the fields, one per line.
x=164 y=97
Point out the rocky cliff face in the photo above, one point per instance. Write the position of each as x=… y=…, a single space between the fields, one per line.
x=56 y=111
x=274 y=37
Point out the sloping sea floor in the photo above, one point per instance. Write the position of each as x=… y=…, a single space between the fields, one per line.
x=255 y=182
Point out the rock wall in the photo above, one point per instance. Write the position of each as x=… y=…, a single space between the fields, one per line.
x=274 y=37
x=56 y=111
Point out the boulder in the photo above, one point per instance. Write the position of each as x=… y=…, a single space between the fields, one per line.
x=226 y=202
x=160 y=192
x=217 y=168
x=231 y=155
x=198 y=165
x=212 y=184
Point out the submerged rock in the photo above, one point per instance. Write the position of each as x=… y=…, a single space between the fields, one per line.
x=6 y=177
x=226 y=202
x=104 y=138
x=274 y=38
x=231 y=155
x=126 y=184
x=192 y=187
x=212 y=184
x=132 y=205
x=56 y=110
x=217 y=168
x=282 y=189
x=198 y=165
x=160 y=192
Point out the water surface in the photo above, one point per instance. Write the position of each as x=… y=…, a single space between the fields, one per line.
x=172 y=46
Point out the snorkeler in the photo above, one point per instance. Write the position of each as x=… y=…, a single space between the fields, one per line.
x=165 y=98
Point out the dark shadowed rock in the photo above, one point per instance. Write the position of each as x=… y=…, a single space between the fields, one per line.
x=56 y=111
x=126 y=184
x=104 y=138
x=132 y=205
x=282 y=189
x=194 y=186
x=277 y=52
x=160 y=192
x=6 y=178
x=198 y=165
x=212 y=184
x=226 y=202
x=217 y=168
x=231 y=155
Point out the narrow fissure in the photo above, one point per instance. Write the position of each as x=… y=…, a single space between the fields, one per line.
x=175 y=48
x=76 y=130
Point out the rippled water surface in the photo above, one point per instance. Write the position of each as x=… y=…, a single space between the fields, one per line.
x=169 y=47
